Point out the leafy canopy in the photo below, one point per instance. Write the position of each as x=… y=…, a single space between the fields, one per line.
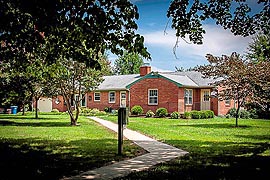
x=236 y=15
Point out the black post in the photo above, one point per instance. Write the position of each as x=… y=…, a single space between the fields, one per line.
x=121 y=116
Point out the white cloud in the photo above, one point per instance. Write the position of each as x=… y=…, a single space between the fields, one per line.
x=216 y=41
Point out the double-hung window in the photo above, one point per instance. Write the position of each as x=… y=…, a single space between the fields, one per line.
x=188 y=96
x=111 y=97
x=153 y=97
x=97 y=96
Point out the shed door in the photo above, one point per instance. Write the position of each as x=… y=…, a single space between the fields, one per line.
x=45 y=104
x=205 y=99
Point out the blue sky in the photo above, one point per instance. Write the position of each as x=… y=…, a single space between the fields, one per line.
x=152 y=24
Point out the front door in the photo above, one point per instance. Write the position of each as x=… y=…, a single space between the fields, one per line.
x=205 y=99
x=123 y=102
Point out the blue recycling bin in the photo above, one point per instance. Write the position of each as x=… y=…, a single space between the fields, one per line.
x=14 y=109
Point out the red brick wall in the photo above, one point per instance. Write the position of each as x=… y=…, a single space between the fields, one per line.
x=61 y=106
x=168 y=94
x=104 y=100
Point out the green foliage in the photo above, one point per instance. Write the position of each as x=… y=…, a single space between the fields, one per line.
x=232 y=112
x=195 y=114
x=55 y=111
x=150 y=113
x=244 y=114
x=175 y=115
x=187 y=115
x=188 y=16
x=209 y=114
x=129 y=63
x=92 y=112
x=259 y=48
x=136 y=110
x=161 y=112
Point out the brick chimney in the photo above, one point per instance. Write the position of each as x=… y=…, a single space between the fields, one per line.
x=145 y=69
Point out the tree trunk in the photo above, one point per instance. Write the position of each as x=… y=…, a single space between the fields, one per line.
x=36 y=116
x=23 y=112
x=237 y=115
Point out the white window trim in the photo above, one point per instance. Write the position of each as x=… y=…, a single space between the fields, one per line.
x=114 y=96
x=95 y=96
x=188 y=98
x=152 y=96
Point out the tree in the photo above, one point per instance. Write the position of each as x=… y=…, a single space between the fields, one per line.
x=187 y=17
x=129 y=63
x=259 y=48
x=259 y=53
x=72 y=80
x=233 y=75
x=87 y=25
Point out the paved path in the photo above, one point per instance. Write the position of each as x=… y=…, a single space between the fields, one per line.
x=158 y=153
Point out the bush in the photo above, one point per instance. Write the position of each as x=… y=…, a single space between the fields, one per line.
x=187 y=115
x=150 y=114
x=209 y=114
x=253 y=114
x=55 y=111
x=161 y=112
x=244 y=114
x=136 y=110
x=175 y=115
x=203 y=114
x=232 y=112
x=195 y=114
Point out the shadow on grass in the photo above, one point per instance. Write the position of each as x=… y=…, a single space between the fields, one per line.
x=36 y=159
x=217 y=125
x=35 y=123
x=17 y=117
x=209 y=160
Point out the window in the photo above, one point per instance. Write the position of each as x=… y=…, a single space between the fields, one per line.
x=112 y=97
x=206 y=96
x=97 y=96
x=188 y=96
x=152 y=96
x=227 y=102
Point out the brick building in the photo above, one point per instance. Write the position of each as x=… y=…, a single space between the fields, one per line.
x=176 y=91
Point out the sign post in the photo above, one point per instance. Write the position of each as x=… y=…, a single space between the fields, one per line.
x=121 y=119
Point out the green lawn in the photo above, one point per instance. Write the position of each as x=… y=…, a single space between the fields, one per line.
x=218 y=150
x=49 y=148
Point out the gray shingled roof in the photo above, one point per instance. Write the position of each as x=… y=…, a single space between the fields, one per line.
x=196 y=77
x=181 y=79
x=187 y=79
x=117 y=82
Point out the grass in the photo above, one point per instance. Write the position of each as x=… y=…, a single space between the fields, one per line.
x=49 y=148
x=218 y=150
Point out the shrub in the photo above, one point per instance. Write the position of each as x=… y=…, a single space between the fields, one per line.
x=55 y=111
x=187 y=115
x=195 y=114
x=244 y=114
x=161 y=112
x=150 y=114
x=136 y=110
x=203 y=114
x=253 y=114
x=209 y=114
x=175 y=115
x=232 y=112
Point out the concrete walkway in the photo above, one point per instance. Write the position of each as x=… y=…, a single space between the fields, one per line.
x=158 y=153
